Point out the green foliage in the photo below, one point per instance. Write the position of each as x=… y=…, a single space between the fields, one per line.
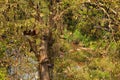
x=2 y=50
x=87 y=36
x=2 y=74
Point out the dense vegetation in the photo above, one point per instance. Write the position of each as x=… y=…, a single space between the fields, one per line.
x=59 y=39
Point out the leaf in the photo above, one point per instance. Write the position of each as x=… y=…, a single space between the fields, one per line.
x=38 y=41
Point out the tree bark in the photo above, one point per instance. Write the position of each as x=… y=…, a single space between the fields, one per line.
x=43 y=59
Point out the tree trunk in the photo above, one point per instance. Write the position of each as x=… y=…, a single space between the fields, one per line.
x=44 y=75
x=43 y=59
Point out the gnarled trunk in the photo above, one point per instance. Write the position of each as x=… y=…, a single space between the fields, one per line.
x=43 y=59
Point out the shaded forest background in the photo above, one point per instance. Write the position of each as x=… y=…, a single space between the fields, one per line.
x=80 y=39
